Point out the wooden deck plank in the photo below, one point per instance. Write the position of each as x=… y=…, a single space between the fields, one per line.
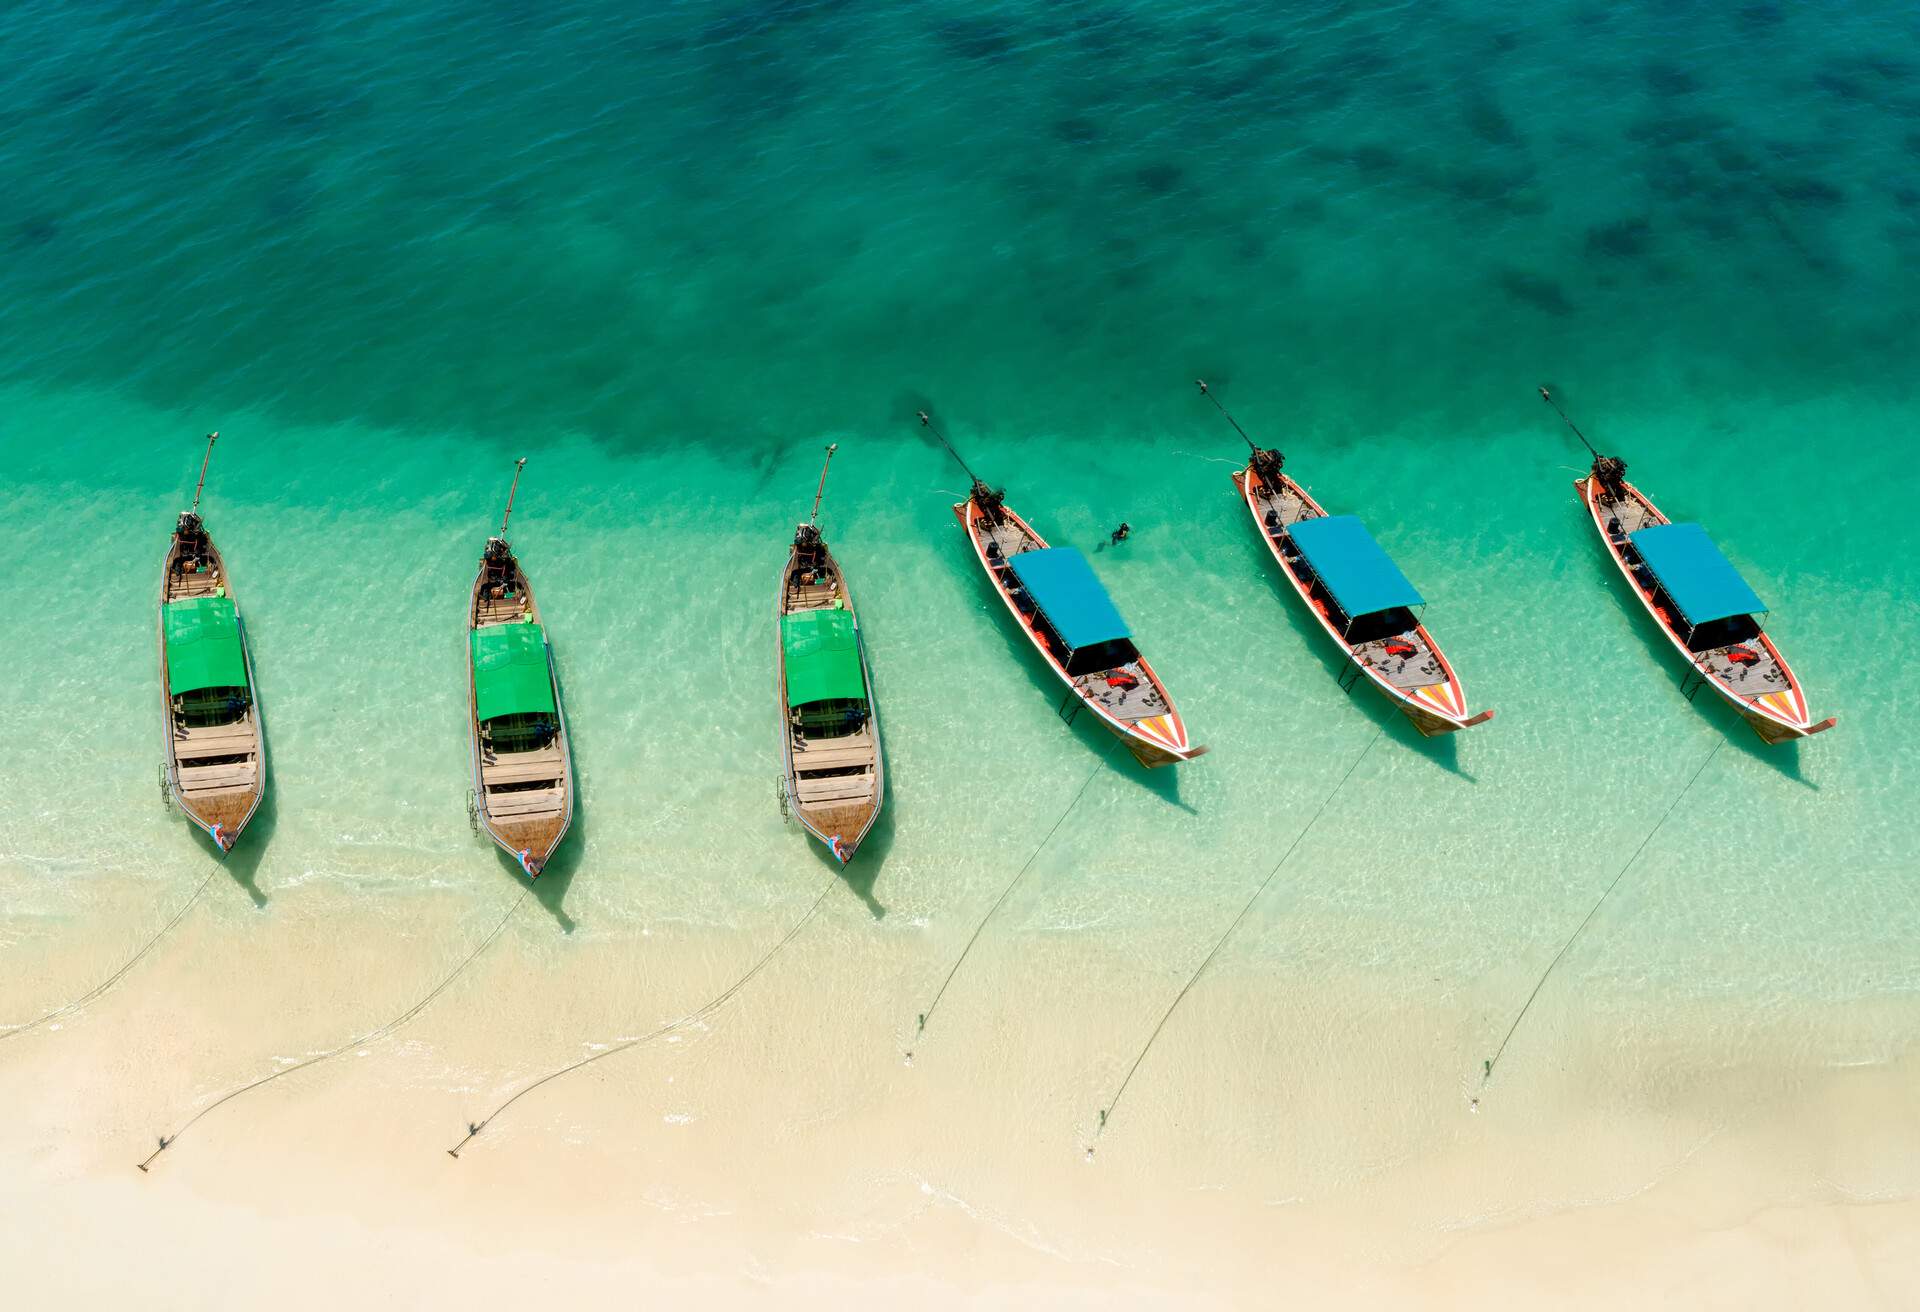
x=533 y=802
x=500 y=772
x=837 y=788
x=186 y=749
x=837 y=758
x=220 y=733
x=200 y=778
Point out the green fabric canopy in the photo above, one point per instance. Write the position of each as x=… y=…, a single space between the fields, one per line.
x=823 y=657
x=510 y=671
x=203 y=645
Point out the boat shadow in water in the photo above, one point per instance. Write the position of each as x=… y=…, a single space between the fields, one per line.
x=1163 y=782
x=243 y=862
x=1442 y=749
x=1784 y=757
x=860 y=873
x=550 y=890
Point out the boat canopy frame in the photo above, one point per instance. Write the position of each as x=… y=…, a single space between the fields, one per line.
x=1703 y=586
x=511 y=671
x=1070 y=602
x=1359 y=577
x=821 y=653
x=205 y=647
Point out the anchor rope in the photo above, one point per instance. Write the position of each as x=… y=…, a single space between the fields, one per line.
x=1013 y=883
x=1221 y=942
x=371 y=1036
x=1491 y=1062
x=707 y=1009
x=119 y=974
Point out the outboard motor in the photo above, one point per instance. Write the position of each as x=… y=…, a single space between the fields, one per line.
x=990 y=501
x=1267 y=465
x=1612 y=473
x=497 y=551
x=806 y=537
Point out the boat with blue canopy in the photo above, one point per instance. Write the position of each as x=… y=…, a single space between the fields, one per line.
x=216 y=762
x=1359 y=596
x=1696 y=576
x=1056 y=599
x=1711 y=615
x=833 y=779
x=522 y=765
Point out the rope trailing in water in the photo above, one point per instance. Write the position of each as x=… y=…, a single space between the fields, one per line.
x=371 y=1036
x=713 y=1005
x=1488 y=1065
x=978 y=929
x=119 y=974
x=1221 y=942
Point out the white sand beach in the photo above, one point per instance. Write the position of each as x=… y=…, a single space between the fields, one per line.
x=783 y=1152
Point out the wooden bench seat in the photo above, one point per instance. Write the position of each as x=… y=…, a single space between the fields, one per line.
x=508 y=770
x=226 y=744
x=200 y=778
x=844 y=787
x=832 y=758
x=532 y=801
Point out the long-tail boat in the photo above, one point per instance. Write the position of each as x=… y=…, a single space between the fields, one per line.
x=1352 y=587
x=833 y=779
x=1057 y=601
x=1693 y=592
x=216 y=764
x=522 y=770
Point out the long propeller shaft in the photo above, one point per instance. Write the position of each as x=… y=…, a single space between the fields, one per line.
x=205 y=461
x=1208 y=393
x=926 y=422
x=822 y=489
x=518 y=465
x=1547 y=396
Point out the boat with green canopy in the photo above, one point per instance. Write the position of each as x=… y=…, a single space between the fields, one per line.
x=522 y=768
x=216 y=762
x=833 y=780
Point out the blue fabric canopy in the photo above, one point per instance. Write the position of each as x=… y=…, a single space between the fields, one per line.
x=1702 y=582
x=1361 y=577
x=1063 y=586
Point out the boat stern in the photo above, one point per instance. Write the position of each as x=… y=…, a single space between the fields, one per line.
x=1433 y=726
x=1781 y=717
x=1160 y=740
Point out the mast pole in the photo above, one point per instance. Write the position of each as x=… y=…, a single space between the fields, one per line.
x=201 y=485
x=926 y=422
x=1208 y=393
x=518 y=465
x=1547 y=396
x=822 y=489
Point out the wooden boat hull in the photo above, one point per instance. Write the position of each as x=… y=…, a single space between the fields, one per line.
x=1154 y=741
x=840 y=825
x=1434 y=709
x=1777 y=715
x=221 y=812
x=528 y=836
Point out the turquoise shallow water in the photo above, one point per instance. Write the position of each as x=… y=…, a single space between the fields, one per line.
x=385 y=249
